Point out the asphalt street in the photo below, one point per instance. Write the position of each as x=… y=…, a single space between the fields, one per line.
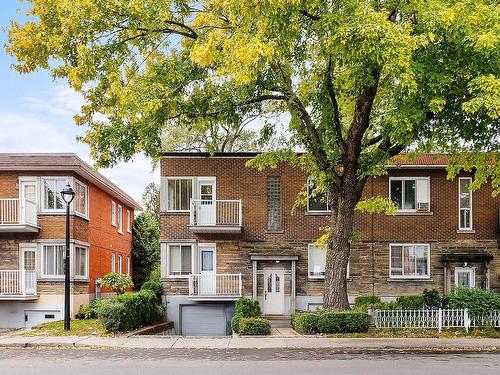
x=55 y=361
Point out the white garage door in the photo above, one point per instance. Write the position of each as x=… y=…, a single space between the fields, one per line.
x=204 y=320
x=35 y=317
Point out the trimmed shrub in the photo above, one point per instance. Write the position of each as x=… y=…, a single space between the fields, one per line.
x=366 y=300
x=254 y=326
x=412 y=302
x=432 y=299
x=129 y=311
x=343 y=322
x=235 y=322
x=154 y=286
x=247 y=307
x=305 y=322
x=478 y=301
x=88 y=311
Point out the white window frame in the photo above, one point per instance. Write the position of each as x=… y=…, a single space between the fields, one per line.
x=42 y=194
x=471 y=271
x=113 y=262
x=129 y=222
x=128 y=265
x=309 y=179
x=409 y=277
x=86 y=213
x=120 y=219
x=320 y=277
x=460 y=209
x=120 y=264
x=43 y=274
x=173 y=178
x=167 y=260
x=113 y=213
x=415 y=178
x=87 y=256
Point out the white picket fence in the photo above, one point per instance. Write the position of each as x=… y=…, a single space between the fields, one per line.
x=436 y=319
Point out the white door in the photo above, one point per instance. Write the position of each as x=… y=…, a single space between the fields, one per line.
x=274 y=296
x=207 y=269
x=28 y=264
x=465 y=277
x=27 y=191
x=206 y=208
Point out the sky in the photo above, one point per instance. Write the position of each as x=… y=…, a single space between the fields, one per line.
x=36 y=115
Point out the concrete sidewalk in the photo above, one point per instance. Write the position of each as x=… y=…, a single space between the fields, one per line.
x=299 y=342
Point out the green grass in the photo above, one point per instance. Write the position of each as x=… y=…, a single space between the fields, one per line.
x=423 y=333
x=87 y=327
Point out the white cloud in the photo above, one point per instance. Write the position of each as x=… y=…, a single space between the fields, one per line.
x=60 y=100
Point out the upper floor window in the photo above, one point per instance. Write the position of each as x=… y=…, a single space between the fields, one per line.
x=409 y=261
x=274 y=203
x=120 y=219
x=113 y=213
x=179 y=194
x=410 y=193
x=81 y=261
x=316 y=201
x=179 y=259
x=53 y=260
x=465 y=203
x=317 y=262
x=80 y=201
x=129 y=222
x=113 y=262
x=52 y=200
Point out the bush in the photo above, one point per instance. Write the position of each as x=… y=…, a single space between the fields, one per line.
x=248 y=308
x=235 y=322
x=343 y=322
x=154 y=286
x=129 y=311
x=254 y=326
x=88 y=311
x=432 y=299
x=412 y=302
x=366 y=300
x=117 y=282
x=305 y=322
x=478 y=301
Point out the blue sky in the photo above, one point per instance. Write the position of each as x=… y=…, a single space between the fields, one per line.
x=36 y=115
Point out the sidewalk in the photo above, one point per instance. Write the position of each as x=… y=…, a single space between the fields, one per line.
x=299 y=342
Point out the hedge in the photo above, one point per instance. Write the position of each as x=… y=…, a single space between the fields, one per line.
x=248 y=308
x=129 y=311
x=305 y=322
x=411 y=302
x=235 y=322
x=254 y=326
x=478 y=301
x=366 y=300
x=155 y=286
x=343 y=322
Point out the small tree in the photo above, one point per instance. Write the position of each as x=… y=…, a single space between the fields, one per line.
x=118 y=282
x=146 y=247
x=151 y=200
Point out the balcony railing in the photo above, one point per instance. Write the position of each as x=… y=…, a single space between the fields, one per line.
x=216 y=215
x=215 y=286
x=17 y=211
x=17 y=283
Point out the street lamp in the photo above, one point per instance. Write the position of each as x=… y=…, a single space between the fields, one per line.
x=68 y=194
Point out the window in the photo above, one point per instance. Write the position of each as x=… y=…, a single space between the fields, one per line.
x=274 y=203
x=81 y=261
x=119 y=264
x=180 y=192
x=52 y=200
x=120 y=219
x=113 y=213
x=465 y=203
x=465 y=277
x=409 y=261
x=317 y=262
x=53 y=260
x=410 y=193
x=128 y=265
x=129 y=222
x=180 y=260
x=80 y=201
x=316 y=201
x=113 y=262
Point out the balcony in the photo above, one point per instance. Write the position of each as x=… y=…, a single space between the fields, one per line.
x=17 y=285
x=215 y=216
x=18 y=215
x=215 y=287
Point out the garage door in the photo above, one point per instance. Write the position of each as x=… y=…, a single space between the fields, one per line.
x=204 y=320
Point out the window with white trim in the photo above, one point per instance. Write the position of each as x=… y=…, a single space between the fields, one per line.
x=410 y=193
x=409 y=261
x=81 y=261
x=113 y=213
x=180 y=259
x=317 y=201
x=113 y=262
x=53 y=260
x=120 y=219
x=464 y=203
x=128 y=265
x=119 y=265
x=179 y=194
x=52 y=199
x=81 y=199
x=317 y=261
x=129 y=222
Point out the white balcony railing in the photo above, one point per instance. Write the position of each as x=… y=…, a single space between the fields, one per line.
x=215 y=285
x=14 y=211
x=216 y=213
x=15 y=283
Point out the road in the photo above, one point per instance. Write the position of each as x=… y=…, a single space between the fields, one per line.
x=242 y=362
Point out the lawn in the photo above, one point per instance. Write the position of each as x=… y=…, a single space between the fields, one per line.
x=84 y=327
x=423 y=333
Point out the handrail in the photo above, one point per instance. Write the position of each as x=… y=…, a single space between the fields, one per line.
x=221 y=212
x=223 y=285
x=15 y=211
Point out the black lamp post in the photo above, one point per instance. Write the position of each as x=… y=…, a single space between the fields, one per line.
x=67 y=195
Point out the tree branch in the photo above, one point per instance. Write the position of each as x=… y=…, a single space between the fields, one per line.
x=309 y=15
x=336 y=113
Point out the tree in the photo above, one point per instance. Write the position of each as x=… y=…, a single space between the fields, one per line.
x=151 y=200
x=361 y=81
x=145 y=247
x=117 y=282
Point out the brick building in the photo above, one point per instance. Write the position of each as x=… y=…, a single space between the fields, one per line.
x=32 y=235
x=228 y=231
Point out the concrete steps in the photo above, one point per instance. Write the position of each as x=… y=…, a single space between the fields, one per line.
x=279 y=321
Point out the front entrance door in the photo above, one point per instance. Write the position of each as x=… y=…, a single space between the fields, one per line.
x=274 y=296
x=206 y=208
x=207 y=269
x=28 y=264
x=465 y=277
